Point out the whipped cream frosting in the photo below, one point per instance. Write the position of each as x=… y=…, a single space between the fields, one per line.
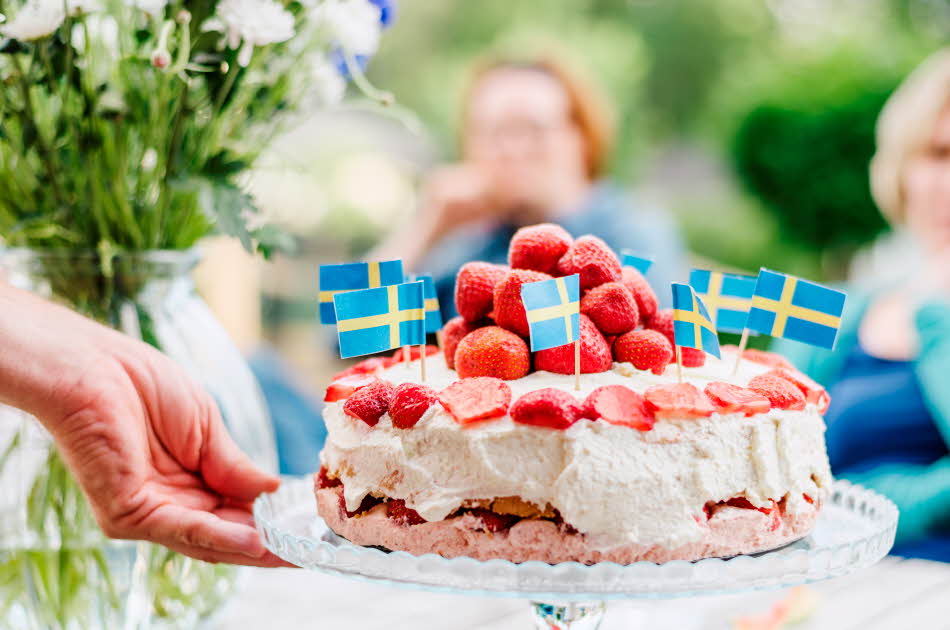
x=614 y=483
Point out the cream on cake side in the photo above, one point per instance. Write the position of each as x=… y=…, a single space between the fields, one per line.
x=616 y=484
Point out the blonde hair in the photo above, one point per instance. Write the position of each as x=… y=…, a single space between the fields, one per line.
x=588 y=110
x=905 y=128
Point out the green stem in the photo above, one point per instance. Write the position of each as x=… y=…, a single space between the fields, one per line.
x=29 y=117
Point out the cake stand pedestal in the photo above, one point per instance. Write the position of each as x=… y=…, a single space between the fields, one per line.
x=855 y=530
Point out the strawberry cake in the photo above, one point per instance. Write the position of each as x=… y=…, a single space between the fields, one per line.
x=497 y=455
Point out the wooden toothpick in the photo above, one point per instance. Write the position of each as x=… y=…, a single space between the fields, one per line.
x=422 y=362
x=577 y=365
x=679 y=364
x=742 y=344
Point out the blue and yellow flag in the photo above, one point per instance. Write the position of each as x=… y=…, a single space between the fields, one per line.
x=433 y=313
x=692 y=327
x=554 y=311
x=629 y=259
x=789 y=307
x=376 y=320
x=335 y=279
x=728 y=296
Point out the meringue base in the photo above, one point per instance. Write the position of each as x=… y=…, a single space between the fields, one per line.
x=731 y=531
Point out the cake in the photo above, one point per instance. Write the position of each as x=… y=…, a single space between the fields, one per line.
x=497 y=455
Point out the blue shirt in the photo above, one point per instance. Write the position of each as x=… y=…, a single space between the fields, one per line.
x=609 y=212
x=878 y=416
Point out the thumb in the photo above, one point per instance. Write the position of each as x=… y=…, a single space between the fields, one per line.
x=226 y=469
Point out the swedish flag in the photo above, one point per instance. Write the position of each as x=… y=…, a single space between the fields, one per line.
x=789 y=307
x=335 y=279
x=728 y=296
x=553 y=308
x=376 y=320
x=433 y=313
x=629 y=259
x=692 y=327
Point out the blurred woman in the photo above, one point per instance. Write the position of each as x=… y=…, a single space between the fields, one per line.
x=889 y=377
x=534 y=141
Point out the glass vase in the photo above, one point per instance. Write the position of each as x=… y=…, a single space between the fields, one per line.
x=57 y=570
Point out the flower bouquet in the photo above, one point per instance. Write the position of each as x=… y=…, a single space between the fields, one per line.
x=125 y=129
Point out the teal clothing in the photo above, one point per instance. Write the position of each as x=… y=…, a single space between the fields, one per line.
x=920 y=490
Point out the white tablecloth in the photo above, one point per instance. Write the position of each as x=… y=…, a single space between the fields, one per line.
x=896 y=594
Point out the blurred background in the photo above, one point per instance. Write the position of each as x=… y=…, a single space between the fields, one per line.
x=751 y=121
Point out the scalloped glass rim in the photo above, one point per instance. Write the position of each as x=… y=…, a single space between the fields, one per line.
x=855 y=530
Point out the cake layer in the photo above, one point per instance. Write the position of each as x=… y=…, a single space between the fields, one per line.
x=727 y=531
x=617 y=485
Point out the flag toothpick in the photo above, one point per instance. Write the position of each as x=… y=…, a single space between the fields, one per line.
x=743 y=342
x=692 y=327
x=679 y=364
x=553 y=308
x=577 y=365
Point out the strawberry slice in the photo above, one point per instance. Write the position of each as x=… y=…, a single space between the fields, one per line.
x=344 y=387
x=324 y=480
x=414 y=354
x=679 y=400
x=492 y=522
x=618 y=404
x=781 y=393
x=814 y=393
x=767 y=358
x=548 y=407
x=474 y=399
x=396 y=509
x=366 y=366
x=729 y=398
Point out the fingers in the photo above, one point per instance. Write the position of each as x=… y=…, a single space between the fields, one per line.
x=226 y=469
x=229 y=533
x=268 y=560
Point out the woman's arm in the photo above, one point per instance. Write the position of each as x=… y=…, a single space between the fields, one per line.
x=145 y=442
x=921 y=493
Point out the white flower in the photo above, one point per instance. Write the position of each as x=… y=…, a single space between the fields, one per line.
x=328 y=86
x=249 y=23
x=37 y=18
x=152 y=7
x=353 y=24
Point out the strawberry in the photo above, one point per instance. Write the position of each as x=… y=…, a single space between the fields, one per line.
x=366 y=366
x=324 y=480
x=396 y=509
x=509 y=310
x=595 y=353
x=677 y=400
x=492 y=522
x=409 y=402
x=729 y=398
x=781 y=393
x=538 y=247
x=473 y=289
x=645 y=349
x=400 y=355
x=814 y=393
x=452 y=333
x=593 y=260
x=618 y=404
x=611 y=307
x=369 y=403
x=474 y=399
x=767 y=358
x=548 y=407
x=692 y=357
x=642 y=292
x=771 y=511
x=662 y=322
x=492 y=351
x=344 y=387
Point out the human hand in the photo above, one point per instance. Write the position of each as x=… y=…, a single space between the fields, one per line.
x=145 y=442
x=455 y=195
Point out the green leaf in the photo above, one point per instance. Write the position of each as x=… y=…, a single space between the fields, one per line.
x=228 y=206
x=224 y=164
x=273 y=240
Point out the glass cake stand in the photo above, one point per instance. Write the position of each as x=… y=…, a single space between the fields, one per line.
x=855 y=530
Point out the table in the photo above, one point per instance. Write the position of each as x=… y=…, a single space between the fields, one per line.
x=893 y=595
